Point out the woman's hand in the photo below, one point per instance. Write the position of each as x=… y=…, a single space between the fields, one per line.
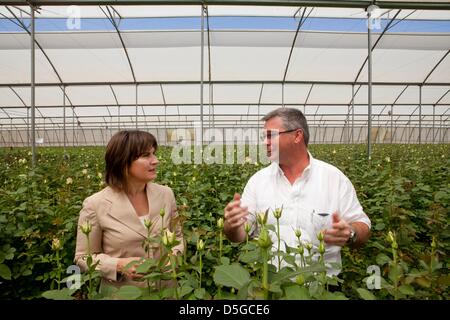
x=129 y=272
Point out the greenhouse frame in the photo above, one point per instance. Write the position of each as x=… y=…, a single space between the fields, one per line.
x=155 y=150
x=75 y=72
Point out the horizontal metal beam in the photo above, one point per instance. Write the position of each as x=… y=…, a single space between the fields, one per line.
x=429 y=5
x=112 y=125
x=230 y=82
x=300 y=104
x=223 y=125
x=217 y=115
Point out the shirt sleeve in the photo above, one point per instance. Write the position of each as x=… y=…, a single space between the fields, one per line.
x=349 y=206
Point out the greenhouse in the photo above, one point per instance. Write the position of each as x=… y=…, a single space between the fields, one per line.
x=372 y=79
x=99 y=68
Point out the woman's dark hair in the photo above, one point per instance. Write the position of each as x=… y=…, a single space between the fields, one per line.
x=123 y=148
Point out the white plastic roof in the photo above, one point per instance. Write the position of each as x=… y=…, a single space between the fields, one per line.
x=157 y=67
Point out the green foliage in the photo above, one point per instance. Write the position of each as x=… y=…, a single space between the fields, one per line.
x=405 y=188
x=232 y=275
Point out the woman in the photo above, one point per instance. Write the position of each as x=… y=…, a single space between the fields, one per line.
x=118 y=213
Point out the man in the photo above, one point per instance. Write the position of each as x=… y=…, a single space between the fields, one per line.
x=314 y=195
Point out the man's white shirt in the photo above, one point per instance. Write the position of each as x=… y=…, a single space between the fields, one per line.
x=308 y=203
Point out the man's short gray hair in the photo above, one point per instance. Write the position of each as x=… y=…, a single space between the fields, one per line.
x=292 y=119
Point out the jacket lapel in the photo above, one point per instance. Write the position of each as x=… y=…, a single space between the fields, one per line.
x=123 y=212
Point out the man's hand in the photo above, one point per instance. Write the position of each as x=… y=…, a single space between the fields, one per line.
x=340 y=232
x=235 y=217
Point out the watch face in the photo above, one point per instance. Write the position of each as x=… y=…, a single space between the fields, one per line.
x=352 y=236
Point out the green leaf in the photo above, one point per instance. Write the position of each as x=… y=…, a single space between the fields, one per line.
x=382 y=259
x=296 y=293
x=9 y=256
x=335 y=296
x=249 y=257
x=145 y=266
x=228 y=296
x=168 y=293
x=151 y=296
x=365 y=294
x=444 y=280
x=69 y=225
x=27 y=272
x=377 y=246
x=199 y=293
x=394 y=272
x=154 y=276
x=440 y=195
x=225 y=260
x=21 y=190
x=128 y=293
x=5 y=272
x=289 y=259
x=233 y=276
x=379 y=226
x=286 y=273
x=184 y=290
x=107 y=291
x=244 y=291
x=406 y=289
x=275 y=287
x=63 y=294
x=315 y=289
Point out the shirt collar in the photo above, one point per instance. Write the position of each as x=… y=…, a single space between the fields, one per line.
x=306 y=172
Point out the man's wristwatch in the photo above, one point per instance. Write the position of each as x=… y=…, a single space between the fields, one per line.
x=352 y=238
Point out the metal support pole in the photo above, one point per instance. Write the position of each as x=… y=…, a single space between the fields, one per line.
x=211 y=104
x=434 y=111
x=353 y=113
x=420 y=114
x=64 y=121
x=28 y=127
x=201 y=74
x=33 y=97
x=136 y=106
x=369 y=69
x=73 y=126
x=392 y=123
x=165 y=124
x=347 y=125
x=378 y=130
